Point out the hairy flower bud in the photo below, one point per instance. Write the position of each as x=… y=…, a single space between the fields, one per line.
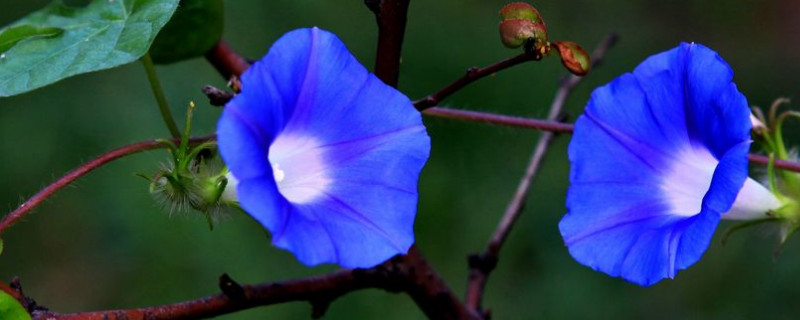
x=516 y=32
x=521 y=10
x=574 y=58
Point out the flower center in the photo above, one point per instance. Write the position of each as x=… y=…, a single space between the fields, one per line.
x=278 y=173
x=299 y=168
x=689 y=180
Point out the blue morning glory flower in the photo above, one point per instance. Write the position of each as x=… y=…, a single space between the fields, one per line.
x=327 y=156
x=659 y=156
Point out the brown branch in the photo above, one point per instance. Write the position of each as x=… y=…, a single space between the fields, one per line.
x=499 y=119
x=482 y=265
x=391 y=18
x=557 y=127
x=226 y=61
x=25 y=208
x=471 y=76
x=407 y=273
x=781 y=164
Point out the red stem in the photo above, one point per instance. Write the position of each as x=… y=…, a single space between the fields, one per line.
x=471 y=76
x=26 y=208
x=499 y=119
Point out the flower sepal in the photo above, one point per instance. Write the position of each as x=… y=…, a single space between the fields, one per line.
x=770 y=133
x=195 y=178
x=521 y=25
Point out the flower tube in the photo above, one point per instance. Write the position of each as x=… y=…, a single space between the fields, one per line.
x=659 y=156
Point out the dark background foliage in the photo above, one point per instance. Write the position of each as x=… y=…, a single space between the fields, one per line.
x=105 y=244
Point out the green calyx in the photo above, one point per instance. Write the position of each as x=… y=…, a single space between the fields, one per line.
x=790 y=211
x=195 y=178
x=784 y=184
x=769 y=129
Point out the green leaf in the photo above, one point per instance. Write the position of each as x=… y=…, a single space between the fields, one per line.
x=10 y=36
x=195 y=29
x=1 y=246
x=10 y=309
x=102 y=35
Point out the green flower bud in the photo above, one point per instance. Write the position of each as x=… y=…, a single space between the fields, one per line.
x=574 y=58
x=521 y=10
x=516 y=32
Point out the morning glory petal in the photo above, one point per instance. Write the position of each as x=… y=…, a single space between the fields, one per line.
x=327 y=156
x=657 y=159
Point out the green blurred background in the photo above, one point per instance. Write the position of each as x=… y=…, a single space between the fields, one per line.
x=104 y=243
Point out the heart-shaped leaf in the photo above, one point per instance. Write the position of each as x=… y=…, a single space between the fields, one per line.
x=10 y=309
x=102 y=35
x=194 y=29
x=10 y=36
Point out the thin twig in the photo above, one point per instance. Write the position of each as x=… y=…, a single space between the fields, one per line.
x=482 y=265
x=781 y=164
x=25 y=208
x=499 y=119
x=471 y=76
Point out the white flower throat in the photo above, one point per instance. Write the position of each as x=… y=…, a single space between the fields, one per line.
x=298 y=167
x=690 y=178
x=278 y=173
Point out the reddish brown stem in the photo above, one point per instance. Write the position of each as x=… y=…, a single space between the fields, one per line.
x=557 y=127
x=10 y=291
x=226 y=61
x=26 y=207
x=407 y=273
x=391 y=16
x=498 y=119
x=781 y=164
x=472 y=74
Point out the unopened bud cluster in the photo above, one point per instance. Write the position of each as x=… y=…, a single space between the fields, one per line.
x=522 y=25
